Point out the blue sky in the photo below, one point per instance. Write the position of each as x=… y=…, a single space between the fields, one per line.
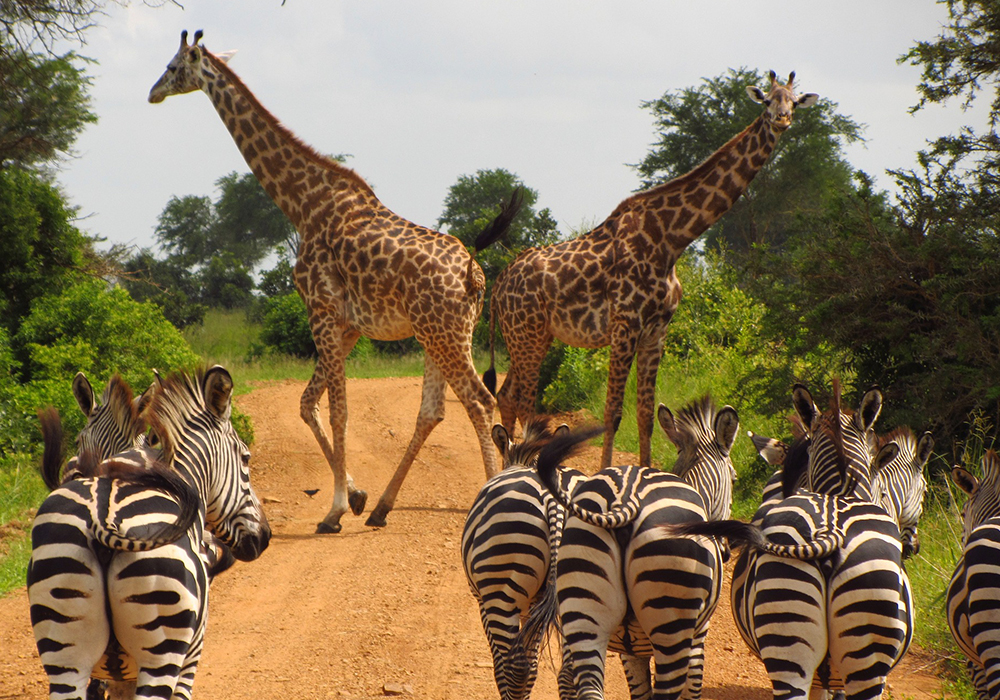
x=421 y=93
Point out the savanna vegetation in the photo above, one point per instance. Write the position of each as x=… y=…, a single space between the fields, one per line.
x=813 y=274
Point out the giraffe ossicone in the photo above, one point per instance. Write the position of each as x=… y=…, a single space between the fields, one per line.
x=617 y=285
x=361 y=270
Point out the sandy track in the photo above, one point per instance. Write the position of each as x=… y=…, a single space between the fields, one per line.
x=368 y=611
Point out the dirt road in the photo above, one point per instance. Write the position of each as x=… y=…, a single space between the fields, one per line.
x=368 y=613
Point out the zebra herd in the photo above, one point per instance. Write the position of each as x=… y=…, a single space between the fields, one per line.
x=630 y=559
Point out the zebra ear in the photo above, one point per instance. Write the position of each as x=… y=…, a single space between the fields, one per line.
x=500 y=439
x=871 y=407
x=84 y=393
x=143 y=400
x=924 y=448
x=888 y=453
x=218 y=388
x=667 y=422
x=727 y=423
x=771 y=449
x=964 y=480
x=562 y=429
x=805 y=407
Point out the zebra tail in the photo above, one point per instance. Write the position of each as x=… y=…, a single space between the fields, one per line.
x=561 y=447
x=742 y=534
x=154 y=477
x=52 y=452
x=543 y=613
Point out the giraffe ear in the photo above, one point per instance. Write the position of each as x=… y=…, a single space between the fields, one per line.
x=756 y=94
x=224 y=56
x=807 y=100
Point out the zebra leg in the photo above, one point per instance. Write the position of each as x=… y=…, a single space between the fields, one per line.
x=158 y=601
x=789 y=622
x=67 y=605
x=592 y=603
x=431 y=413
x=640 y=680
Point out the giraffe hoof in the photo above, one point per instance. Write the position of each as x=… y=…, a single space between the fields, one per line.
x=327 y=529
x=357 y=501
x=377 y=517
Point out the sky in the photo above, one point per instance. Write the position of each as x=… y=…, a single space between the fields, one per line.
x=421 y=93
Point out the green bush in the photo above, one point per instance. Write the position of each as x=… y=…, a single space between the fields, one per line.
x=285 y=326
x=90 y=328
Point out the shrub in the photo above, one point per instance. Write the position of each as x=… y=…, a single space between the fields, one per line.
x=286 y=326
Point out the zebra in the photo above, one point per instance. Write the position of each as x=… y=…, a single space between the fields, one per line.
x=840 y=613
x=975 y=586
x=620 y=584
x=113 y=607
x=506 y=552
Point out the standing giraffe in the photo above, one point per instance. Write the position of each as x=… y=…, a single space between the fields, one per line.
x=361 y=270
x=617 y=285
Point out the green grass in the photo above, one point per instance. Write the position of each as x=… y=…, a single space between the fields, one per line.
x=21 y=490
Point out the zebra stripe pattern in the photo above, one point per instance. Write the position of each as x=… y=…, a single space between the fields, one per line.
x=142 y=612
x=845 y=621
x=660 y=609
x=973 y=615
x=505 y=550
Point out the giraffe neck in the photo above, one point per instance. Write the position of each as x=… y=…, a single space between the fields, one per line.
x=679 y=211
x=303 y=183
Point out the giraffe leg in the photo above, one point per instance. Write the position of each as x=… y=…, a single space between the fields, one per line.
x=647 y=364
x=623 y=345
x=431 y=413
x=516 y=397
x=330 y=375
x=478 y=403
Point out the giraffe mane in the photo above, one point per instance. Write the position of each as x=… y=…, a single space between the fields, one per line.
x=301 y=146
x=695 y=173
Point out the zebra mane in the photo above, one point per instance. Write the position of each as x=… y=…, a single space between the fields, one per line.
x=695 y=421
x=902 y=436
x=178 y=396
x=794 y=467
x=119 y=394
x=537 y=434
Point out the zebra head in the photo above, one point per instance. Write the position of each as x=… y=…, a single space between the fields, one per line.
x=704 y=437
x=900 y=482
x=115 y=424
x=841 y=443
x=190 y=417
x=984 y=494
x=537 y=434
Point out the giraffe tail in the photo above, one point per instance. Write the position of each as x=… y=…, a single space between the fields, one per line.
x=498 y=227
x=490 y=375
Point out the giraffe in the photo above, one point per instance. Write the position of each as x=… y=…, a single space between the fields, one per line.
x=361 y=270
x=617 y=285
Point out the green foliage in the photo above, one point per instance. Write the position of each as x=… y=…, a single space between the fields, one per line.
x=166 y=283
x=88 y=328
x=226 y=283
x=581 y=374
x=44 y=105
x=286 y=326
x=278 y=280
x=184 y=229
x=42 y=251
x=807 y=163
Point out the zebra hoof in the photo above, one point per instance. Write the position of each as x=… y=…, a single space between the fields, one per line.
x=377 y=517
x=357 y=501
x=327 y=529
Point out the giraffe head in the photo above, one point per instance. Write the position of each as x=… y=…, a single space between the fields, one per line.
x=781 y=101
x=190 y=69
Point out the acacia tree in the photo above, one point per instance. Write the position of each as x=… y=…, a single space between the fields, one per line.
x=806 y=167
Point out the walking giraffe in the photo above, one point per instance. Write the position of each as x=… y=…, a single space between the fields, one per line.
x=617 y=285
x=361 y=270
